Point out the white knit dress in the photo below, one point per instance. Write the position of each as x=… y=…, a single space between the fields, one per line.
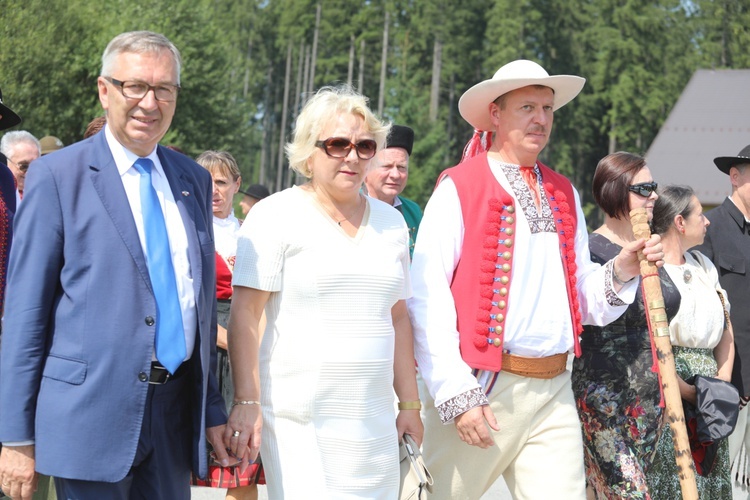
x=326 y=359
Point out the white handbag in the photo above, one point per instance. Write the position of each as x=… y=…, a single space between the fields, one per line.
x=416 y=480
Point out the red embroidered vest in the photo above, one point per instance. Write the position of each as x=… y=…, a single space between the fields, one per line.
x=483 y=277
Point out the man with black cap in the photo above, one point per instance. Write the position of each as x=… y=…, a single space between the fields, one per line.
x=386 y=178
x=502 y=281
x=8 y=119
x=252 y=195
x=727 y=244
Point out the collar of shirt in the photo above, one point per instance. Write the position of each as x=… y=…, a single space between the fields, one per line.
x=225 y=235
x=230 y=221
x=738 y=216
x=396 y=199
x=124 y=158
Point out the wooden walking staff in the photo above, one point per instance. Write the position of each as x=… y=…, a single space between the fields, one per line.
x=659 y=326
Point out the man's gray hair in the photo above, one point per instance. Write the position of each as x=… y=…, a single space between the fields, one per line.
x=11 y=139
x=138 y=42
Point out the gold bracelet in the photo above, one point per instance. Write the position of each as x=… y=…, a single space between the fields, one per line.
x=410 y=405
x=245 y=402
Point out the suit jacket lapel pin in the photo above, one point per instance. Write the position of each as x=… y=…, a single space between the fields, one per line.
x=185 y=193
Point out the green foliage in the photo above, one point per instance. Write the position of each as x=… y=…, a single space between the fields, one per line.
x=637 y=56
x=49 y=57
x=723 y=28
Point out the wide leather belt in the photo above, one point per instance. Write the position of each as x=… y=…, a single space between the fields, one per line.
x=547 y=367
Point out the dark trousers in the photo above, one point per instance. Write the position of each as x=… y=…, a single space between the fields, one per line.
x=161 y=468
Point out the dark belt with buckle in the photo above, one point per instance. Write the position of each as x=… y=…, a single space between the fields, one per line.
x=160 y=375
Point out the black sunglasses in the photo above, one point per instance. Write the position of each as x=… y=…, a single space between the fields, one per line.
x=339 y=147
x=644 y=188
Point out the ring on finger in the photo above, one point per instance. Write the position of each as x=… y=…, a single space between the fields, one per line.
x=236 y=434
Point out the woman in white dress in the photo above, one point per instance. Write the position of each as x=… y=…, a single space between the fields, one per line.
x=331 y=268
x=701 y=336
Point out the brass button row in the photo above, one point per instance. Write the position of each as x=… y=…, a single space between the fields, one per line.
x=504 y=279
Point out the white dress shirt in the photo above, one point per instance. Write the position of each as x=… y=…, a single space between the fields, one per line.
x=225 y=235
x=178 y=242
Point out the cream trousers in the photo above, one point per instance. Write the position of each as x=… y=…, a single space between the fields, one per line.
x=538 y=450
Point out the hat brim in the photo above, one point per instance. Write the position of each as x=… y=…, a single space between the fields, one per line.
x=474 y=104
x=254 y=193
x=726 y=162
x=9 y=118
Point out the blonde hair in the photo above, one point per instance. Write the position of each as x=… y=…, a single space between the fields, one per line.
x=325 y=105
x=219 y=162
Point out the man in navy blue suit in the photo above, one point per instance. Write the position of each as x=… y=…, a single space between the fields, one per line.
x=106 y=369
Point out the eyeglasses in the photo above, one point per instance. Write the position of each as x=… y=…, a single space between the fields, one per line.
x=23 y=166
x=644 y=188
x=339 y=147
x=138 y=90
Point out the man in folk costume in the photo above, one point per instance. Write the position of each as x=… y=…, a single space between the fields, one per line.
x=387 y=176
x=502 y=282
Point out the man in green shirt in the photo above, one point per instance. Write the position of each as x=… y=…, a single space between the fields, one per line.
x=387 y=176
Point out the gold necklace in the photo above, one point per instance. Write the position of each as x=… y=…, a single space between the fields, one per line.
x=339 y=221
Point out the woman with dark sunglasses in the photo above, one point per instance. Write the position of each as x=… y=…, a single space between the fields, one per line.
x=331 y=268
x=616 y=391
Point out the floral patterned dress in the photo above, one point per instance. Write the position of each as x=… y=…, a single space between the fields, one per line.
x=617 y=394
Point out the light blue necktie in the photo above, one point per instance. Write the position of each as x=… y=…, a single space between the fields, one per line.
x=170 y=336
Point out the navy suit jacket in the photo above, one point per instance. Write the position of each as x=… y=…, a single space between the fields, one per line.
x=76 y=347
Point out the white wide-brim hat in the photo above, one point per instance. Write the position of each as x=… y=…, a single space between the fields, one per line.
x=474 y=104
